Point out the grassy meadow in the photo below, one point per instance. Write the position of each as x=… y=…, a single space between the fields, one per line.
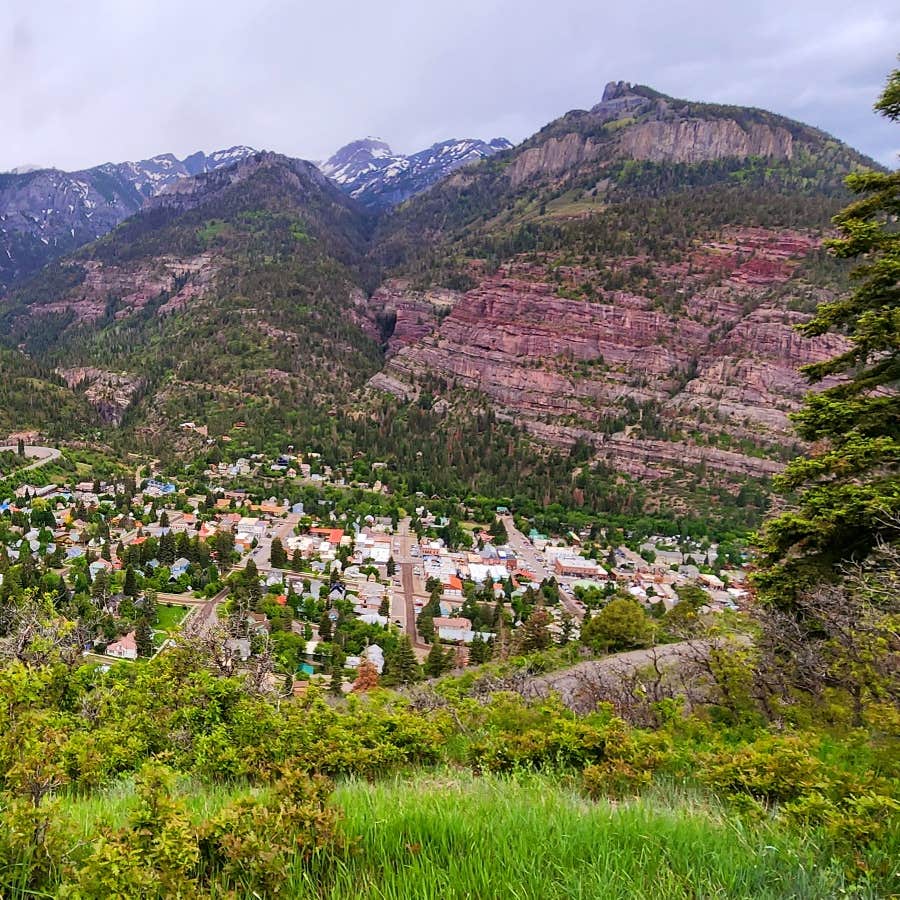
x=452 y=835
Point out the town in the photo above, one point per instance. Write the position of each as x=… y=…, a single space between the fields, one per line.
x=341 y=593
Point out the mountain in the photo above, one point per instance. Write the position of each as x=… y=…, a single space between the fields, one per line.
x=45 y=213
x=230 y=291
x=624 y=286
x=369 y=171
x=602 y=315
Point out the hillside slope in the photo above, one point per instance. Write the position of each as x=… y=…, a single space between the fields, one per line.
x=46 y=213
x=228 y=293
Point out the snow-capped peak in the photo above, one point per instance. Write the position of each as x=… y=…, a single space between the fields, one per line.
x=370 y=171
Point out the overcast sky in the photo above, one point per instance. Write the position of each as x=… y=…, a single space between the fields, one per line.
x=108 y=80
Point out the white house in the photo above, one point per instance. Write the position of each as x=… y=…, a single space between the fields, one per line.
x=124 y=648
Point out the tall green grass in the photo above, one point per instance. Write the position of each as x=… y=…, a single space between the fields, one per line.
x=451 y=835
x=534 y=838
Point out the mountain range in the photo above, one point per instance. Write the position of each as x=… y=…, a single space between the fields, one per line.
x=45 y=212
x=372 y=173
x=602 y=314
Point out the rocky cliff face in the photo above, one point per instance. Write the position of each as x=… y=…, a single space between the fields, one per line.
x=651 y=390
x=693 y=141
x=110 y=393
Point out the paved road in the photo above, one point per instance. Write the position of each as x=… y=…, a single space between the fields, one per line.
x=406 y=570
x=40 y=455
x=262 y=553
x=575 y=685
x=534 y=562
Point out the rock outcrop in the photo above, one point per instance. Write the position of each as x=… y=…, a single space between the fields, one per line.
x=652 y=390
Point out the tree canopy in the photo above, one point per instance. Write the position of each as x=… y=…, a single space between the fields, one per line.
x=847 y=487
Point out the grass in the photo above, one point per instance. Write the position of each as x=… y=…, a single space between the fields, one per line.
x=536 y=838
x=449 y=835
x=169 y=616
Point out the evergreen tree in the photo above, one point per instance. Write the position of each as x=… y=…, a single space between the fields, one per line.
x=167 y=549
x=297 y=560
x=438 y=661
x=130 y=587
x=143 y=637
x=848 y=485
x=151 y=612
x=384 y=608
x=277 y=554
x=479 y=650
x=534 y=634
x=400 y=664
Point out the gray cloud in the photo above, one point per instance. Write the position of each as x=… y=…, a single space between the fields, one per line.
x=102 y=80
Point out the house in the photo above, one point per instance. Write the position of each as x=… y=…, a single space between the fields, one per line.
x=457 y=629
x=334 y=536
x=179 y=567
x=99 y=565
x=124 y=648
x=577 y=566
x=453 y=587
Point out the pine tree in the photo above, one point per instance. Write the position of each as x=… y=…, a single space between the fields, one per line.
x=277 y=554
x=400 y=665
x=479 y=650
x=438 y=661
x=143 y=637
x=384 y=608
x=167 y=549
x=848 y=485
x=534 y=633
x=130 y=587
x=297 y=560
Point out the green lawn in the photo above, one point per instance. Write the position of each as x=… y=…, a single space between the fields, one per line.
x=169 y=616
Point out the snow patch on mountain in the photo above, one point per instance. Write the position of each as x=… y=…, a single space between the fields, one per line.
x=378 y=177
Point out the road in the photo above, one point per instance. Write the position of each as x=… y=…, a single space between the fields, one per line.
x=530 y=559
x=204 y=615
x=41 y=455
x=262 y=553
x=577 y=686
x=407 y=592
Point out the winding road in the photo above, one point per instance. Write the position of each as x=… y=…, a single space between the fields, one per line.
x=40 y=455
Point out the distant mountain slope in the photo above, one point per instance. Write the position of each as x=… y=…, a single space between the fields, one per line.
x=613 y=297
x=635 y=141
x=369 y=171
x=45 y=213
x=231 y=294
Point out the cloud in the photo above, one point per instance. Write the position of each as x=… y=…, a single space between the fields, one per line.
x=123 y=79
